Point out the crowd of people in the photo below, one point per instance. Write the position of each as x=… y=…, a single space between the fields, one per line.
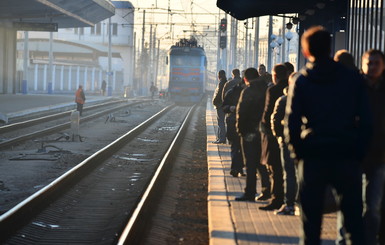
x=306 y=132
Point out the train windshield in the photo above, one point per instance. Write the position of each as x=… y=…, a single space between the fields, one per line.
x=185 y=60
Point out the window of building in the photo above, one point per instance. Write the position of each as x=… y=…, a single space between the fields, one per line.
x=81 y=31
x=98 y=29
x=76 y=30
x=92 y=30
x=115 y=29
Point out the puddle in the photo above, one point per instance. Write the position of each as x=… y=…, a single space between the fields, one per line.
x=42 y=224
x=148 y=140
x=133 y=159
x=168 y=128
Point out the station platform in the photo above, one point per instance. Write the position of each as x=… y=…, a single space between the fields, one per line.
x=234 y=222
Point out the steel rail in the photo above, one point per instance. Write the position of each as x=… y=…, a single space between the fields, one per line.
x=132 y=232
x=22 y=213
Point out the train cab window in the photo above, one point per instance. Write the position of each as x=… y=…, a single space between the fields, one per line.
x=185 y=61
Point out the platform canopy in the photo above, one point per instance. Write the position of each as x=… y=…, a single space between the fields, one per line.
x=64 y=13
x=243 y=9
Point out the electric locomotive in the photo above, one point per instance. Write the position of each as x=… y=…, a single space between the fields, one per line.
x=187 y=71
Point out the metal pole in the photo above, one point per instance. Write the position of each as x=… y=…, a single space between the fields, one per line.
x=283 y=55
x=50 y=83
x=24 y=87
x=109 y=74
x=157 y=65
x=256 y=43
x=218 y=48
x=133 y=85
x=270 y=50
x=246 y=46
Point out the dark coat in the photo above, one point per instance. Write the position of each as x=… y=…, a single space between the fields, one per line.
x=272 y=94
x=230 y=102
x=327 y=112
x=217 y=97
x=230 y=84
x=270 y=148
x=250 y=108
x=277 y=117
x=376 y=154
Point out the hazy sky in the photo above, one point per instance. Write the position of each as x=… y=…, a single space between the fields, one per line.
x=184 y=13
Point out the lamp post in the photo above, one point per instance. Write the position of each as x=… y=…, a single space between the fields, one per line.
x=289 y=36
x=273 y=45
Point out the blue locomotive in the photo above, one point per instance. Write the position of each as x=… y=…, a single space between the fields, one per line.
x=187 y=71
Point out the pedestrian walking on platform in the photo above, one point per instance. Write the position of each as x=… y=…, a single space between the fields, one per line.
x=217 y=102
x=328 y=127
x=249 y=113
x=373 y=68
x=80 y=99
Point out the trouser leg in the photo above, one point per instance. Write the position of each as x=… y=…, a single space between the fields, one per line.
x=311 y=193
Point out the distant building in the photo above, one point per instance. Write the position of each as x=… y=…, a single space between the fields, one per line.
x=80 y=55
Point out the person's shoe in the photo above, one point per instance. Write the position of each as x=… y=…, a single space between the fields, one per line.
x=285 y=210
x=271 y=206
x=234 y=172
x=245 y=198
x=219 y=142
x=263 y=197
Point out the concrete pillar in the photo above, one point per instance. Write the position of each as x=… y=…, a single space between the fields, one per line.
x=85 y=78
x=36 y=76
x=8 y=59
x=77 y=77
x=93 y=79
x=45 y=78
x=70 y=78
x=61 y=77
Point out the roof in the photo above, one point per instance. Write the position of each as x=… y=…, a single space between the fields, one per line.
x=69 y=13
x=243 y=9
x=122 y=4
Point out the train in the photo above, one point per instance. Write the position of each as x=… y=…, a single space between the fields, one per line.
x=186 y=71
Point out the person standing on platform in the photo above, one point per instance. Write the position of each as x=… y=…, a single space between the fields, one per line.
x=103 y=87
x=249 y=113
x=80 y=99
x=217 y=102
x=231 y=93
x=265 y=75
x=235 y=79
x=328 y=126
x=270 y=148
x=153 y=90
x=373 y=68
x=289 y=168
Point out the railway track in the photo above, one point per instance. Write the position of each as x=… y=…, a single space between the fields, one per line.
x=69 y=210
x=51 y=123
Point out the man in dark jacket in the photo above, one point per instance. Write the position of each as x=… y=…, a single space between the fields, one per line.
x=270 y=148
x=373 y=67
x=328 y=124
x=236 y=79
x=249 y=112
x=217 y=102
x=289 y=171
x=230 y=101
